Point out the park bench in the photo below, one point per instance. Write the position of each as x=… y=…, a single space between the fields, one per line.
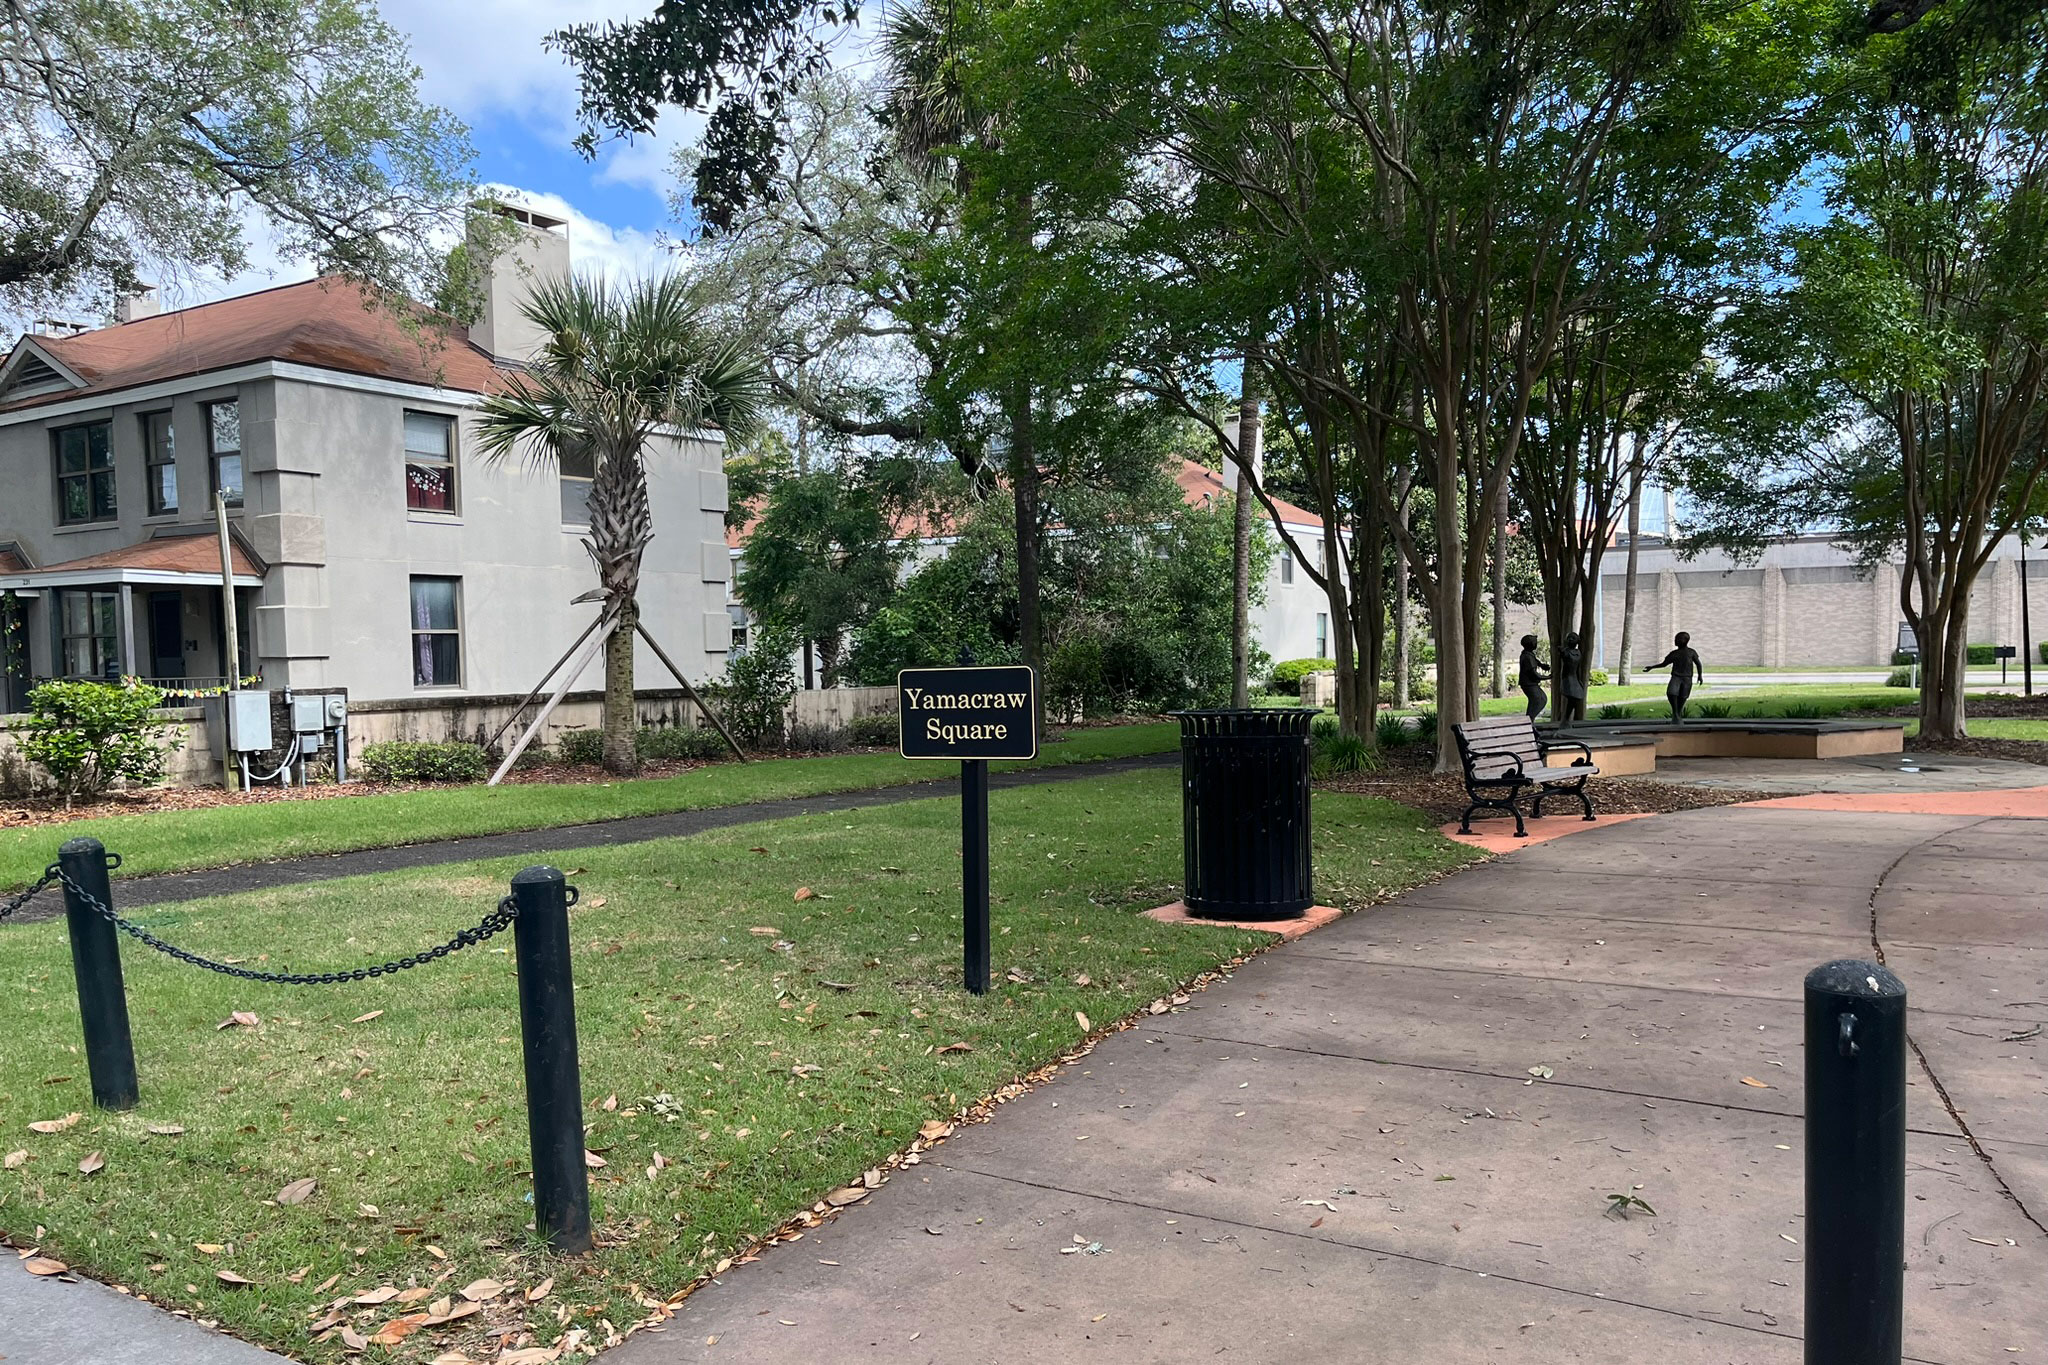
x=1504 y=757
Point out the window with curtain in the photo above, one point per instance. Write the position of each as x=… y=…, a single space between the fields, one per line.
x=1287 y=566
x=224 y=445
x=1322 y=636
x=160 y=459
x=85 y=473
x=436 y=632
x=429 y=462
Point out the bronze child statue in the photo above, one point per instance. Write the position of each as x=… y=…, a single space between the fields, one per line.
x=1684 y=663
x=1533 y=672
x=1571 y=681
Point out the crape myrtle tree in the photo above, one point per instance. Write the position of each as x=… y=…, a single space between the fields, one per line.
x=143 y=137
x=622 y=371
x=1896 y=391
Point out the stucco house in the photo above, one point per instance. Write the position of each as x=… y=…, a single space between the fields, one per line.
x=373 y=549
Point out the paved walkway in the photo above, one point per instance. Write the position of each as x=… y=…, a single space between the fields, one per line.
x=1342 y=1153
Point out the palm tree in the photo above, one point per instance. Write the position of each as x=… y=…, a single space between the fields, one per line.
x=620 y=366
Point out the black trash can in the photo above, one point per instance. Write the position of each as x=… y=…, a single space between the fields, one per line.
x=1244 y=813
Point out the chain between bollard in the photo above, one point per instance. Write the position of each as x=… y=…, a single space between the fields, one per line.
x=497 y=921
x=15 y=903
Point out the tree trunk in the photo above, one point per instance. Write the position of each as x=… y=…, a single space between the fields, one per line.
x=1024 y=484
x=1249 y=440
x=1401 y=608
x=1500 y=592
x=1626 y=658
x=1942 y=626
x=1454 y=701
x=621 y=524
x=621 y=720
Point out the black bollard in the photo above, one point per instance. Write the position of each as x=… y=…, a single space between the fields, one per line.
x=554 y=1084
x=96 y=962
x=1855 y=1164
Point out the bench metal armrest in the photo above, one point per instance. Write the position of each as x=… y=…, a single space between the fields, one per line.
x=1545 y=748
x=1472 y=762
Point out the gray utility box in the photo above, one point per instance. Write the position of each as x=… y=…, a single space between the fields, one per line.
x=238 y=723
x=309 y=720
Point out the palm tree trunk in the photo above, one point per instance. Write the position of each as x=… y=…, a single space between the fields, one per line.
x=621 y=524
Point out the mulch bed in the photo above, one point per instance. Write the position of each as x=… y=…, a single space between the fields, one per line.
x=1405 y=776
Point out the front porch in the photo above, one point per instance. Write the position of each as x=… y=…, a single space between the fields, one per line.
x=151 y=611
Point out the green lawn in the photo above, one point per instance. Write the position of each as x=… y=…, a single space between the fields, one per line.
x=1815 y=700
x=705 y=1006
x=180 y=841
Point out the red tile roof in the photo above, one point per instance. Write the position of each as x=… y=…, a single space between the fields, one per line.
x=330 y=323
x=197 y=553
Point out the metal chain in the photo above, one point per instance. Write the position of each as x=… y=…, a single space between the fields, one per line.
x=495 y=922
x=9 y=907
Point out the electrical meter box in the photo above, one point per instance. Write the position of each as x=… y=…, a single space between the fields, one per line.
x=309 y=721
x=337 y=708
x=249 y=721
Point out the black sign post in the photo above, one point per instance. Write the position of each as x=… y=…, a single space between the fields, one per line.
x=969 y=715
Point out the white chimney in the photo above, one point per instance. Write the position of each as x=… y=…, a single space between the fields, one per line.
x=539 y=250
x=139 y=302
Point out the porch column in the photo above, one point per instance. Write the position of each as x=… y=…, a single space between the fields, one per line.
x=129 y=658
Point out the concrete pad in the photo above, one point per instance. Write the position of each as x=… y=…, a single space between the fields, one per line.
x=1498 y=836
x=1909 y=914
x=49 y=1322
x=1887 y=776
x=1508 y=887
x=1996 y=1076
x=1632 y=1039
x=1937 y=875
x=1163 y=1286
x=1556 y=948
x=2008 y=985
x=1289 y=929
x=1506 y=1178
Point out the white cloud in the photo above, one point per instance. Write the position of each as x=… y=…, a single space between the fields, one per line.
x=599 y=248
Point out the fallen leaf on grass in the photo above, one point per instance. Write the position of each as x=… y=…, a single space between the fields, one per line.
x=53 y=1125
x=1084 y=980
x=594 y=903
x=298 y=1192
x=299 y=1276
x=528 y=1355
x=611 y=1102
x=956 y=1047
x=1082 y=1020
x=43 y=1265
x=207 y=1248
x=166 y=1129
x=594 y=1161
x=14 y=1160
x=398 y=1329
x=242 y=1017
x=540 y=1291
x=353 y=1339
x=92 y=1163
x=327 y=1284
x=443 y=1311
x=413 y=1295
x=476 y=1291
x=804 y=893
x=366 y=1018
x=1751 y=1080
x=849 y=1194
x=931 y=1130
x=381 y=1294
x=231 y=1279
x=435 y=1252
x=765 y=931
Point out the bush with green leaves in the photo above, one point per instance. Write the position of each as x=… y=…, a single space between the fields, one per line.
x=408 y=760
x=1287 y=675
x=817 y=739
x=685 y=742
x=1332 y=754
x=1391 y=730
x=581 y=746
x=1425 y=728
x=1715 y=710
x=759 y=685
x=1616 y=711
x=875 y=732
x=87 y=735
x=1900 y=677
x=1596 y=677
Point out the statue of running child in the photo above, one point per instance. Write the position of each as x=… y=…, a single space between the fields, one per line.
x=1684 y=663
x=1533 y=672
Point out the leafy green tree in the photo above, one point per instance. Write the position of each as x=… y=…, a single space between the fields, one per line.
x=87 y=736
x=622 y=369
x=140 y=133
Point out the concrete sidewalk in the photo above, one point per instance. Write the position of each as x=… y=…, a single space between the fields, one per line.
x=1343 y=1153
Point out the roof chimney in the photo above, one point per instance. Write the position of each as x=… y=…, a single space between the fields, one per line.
x=137 y=303
x=539 y=249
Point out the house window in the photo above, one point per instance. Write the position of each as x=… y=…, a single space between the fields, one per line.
x=1322 y=636
x=577 y=473
x=160 y=459
x=224 y=447
x=1287 y=569
x=90 y=624
x=436 y=633
x=429 y=462
x=85 y=474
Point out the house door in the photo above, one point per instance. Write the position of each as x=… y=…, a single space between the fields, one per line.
x=166 y=635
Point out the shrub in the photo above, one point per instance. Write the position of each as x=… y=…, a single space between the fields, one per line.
x=1425 y=728
x=88 y=736
x=1391 y=731
x=817 y=739
x=876 y=732
x=1899 y=677
x=406 y=760
x=1616 y=711
x=581 y=746
x=679 y=742
x=2044 y=651
x=1980 y=654
x=1900 y=658
x=754 y=699
x=1287 y=676
x=1804 y=710
x=1422 y=689
x=1332 y=754
x=1715 y=710
x=1596 y=677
